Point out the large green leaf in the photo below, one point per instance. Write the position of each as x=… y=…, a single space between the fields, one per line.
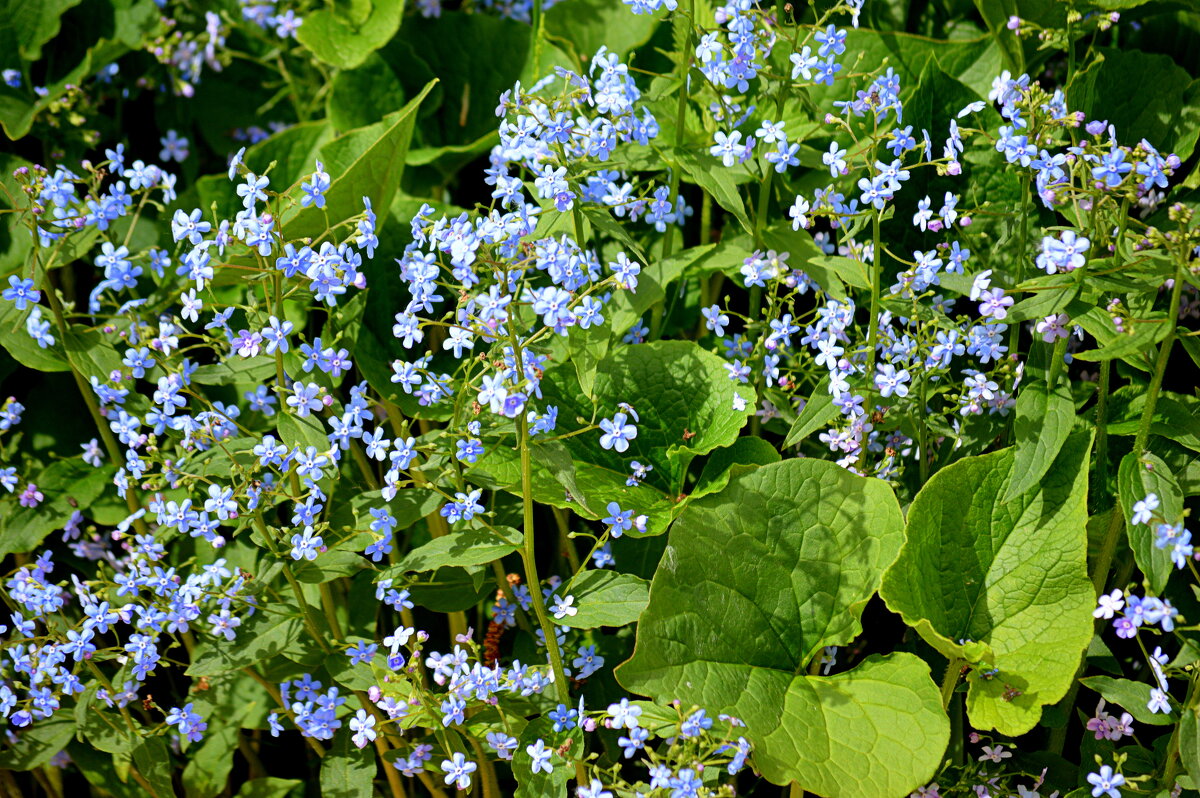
x=27 y=26
x=755 y=581
x=294 y=151
x=36 y=744
x=122 y=23
x=344 y=42
x=1137 y=477
x=1130 y=695
x=684 y=398
x=476 y=57
x=210 y=762
x=363 y=95
x=605 y=598
x=1044 y=420
x=367 y=162
x=589 y=25
x=1001 y=584
x=347 y=771
x=461 y=548
x=1153 y=107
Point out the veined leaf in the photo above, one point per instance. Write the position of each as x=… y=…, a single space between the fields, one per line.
x=1001 y=584
x=755 y=581
x=1044 y=420
x=1136 y=478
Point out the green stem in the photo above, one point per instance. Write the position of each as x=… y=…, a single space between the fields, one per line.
x=950 y=680
x=876 y=269
x=1112 y=536
x=1019 y=270
x=1160 y=368
x=1171 y=770
x=1056 y=362
x=330 y=609
x=1100 y=458
x=297 y=590
x=923 y=433
x=364 y=465
x=89 y=398
x=685 y=63
x=529 y=557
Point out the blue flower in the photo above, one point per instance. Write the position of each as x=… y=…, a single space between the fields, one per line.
x=617 y=432
x=540 y=756
x=21 y=292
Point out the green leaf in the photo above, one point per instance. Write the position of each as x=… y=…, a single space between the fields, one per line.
x=1189 y=742
x=744 y=455
x=153 y=760
x=462 y=548
x=605 y=598
x=38 y=743
x=705 y=172
x=302 y=432
x=1137 y=477
x=235 y=372
x=346 y=43
x=210 y=763
x=263 y=635
x=100 y=769
x=346 y=770
x=1153 y=108
x=17 y=342
x=362 y=96
x=103 y=728
x=817 y=412
x=1001 y=583
x=1044 y=420
x=270 y=787
x=476 y=57
x=1131 y=696
x=294 y=151
x=542 y=784
x=1175 y=416
x=627 y=307
x=329 y=565
x=407 y=507
x=996 y=14
x=367 y=162
x=450 y=588
x=28 y=26
x=589 y=25
x=676 y=387
x=755 y=581
x=68 y=485
x=1132 y=347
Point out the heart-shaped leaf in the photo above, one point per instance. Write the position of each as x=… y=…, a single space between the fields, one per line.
x=1001 y=583
x=755 y=581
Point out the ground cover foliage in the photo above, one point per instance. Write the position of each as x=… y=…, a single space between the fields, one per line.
x=600 y=399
